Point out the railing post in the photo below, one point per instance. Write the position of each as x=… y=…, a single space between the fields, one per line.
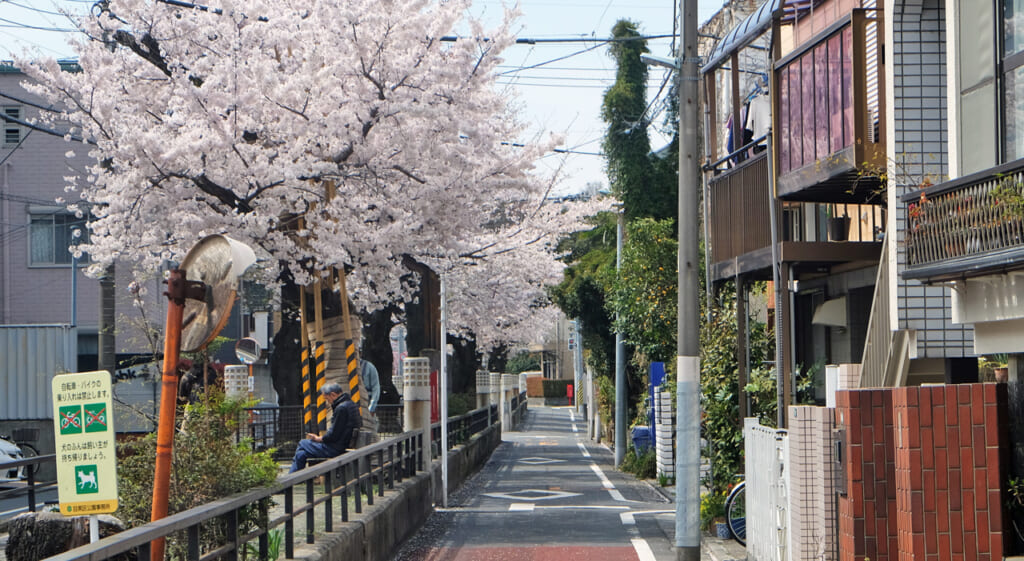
x=329 y=503
x=289 y=524
x=417 y=400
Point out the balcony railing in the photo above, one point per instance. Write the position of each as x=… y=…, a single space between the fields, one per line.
x=970 y=226
x=740 y=222
x=830 y=113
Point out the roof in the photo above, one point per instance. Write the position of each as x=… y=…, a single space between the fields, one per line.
x=66 y=64
x=743 y=34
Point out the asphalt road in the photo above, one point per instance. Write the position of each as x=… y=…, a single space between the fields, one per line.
x=14 y=500
x=547 y=493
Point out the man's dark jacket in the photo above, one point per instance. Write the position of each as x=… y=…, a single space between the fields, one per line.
x=345 y=421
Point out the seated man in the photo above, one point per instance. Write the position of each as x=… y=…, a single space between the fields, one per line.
x=345 y=420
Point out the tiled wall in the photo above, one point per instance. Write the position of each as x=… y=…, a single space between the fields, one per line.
x=924 y=471
x=812 y=498
x=918 y=151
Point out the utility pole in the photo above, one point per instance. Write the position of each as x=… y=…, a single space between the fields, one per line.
x=687 y=535
x=620 y=360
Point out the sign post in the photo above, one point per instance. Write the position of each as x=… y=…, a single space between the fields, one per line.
x=83 y=431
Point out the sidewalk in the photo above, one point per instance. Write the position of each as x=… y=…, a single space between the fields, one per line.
x=711 y=548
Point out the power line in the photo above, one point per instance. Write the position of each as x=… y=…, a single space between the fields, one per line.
x=31 y=8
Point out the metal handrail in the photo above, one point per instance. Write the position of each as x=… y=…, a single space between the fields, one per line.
x=396 y=458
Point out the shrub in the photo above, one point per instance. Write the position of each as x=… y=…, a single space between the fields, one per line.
x=208 y=463
x=460 y=404
x=556 y=388
x=712 y=507
x=644 y=466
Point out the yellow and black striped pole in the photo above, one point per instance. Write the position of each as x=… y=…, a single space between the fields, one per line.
x=307 y=392
x=353 y=371
x=321 y=401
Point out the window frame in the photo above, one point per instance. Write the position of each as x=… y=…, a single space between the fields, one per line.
x=16 y=112
x=70 y=221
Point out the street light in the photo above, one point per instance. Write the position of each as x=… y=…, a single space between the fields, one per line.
x=687 y=534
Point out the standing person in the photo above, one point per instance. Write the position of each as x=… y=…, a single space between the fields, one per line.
x=371 y=382
x=344 y=420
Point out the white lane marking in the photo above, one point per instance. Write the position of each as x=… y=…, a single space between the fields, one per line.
x=520 y=507
x=600 y=475
x=574 y=429
x=640 y=545
x=572 y=416
x=616 y=495
x=643 y=551
x=583 y=449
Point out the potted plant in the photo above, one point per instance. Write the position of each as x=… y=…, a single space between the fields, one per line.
x=838 y=226
x=712 y=513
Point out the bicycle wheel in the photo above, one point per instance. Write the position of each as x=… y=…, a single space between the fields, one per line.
x=28 y=451
x=736 y=512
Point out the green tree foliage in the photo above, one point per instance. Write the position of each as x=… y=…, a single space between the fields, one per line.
x=590 y=255
x=644 y=292
x=208 y=463
x=646 y=186
x=720 y=388
x=522 y=362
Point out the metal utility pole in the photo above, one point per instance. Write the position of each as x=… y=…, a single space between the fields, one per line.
x=687 y=535
x=620 y=361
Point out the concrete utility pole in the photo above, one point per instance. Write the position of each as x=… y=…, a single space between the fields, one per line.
x=687 y=539
x=620 y=361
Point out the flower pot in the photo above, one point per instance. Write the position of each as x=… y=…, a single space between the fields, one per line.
x=838 y=228
x=722 y=530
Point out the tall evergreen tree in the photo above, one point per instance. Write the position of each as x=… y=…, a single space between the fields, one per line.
x=637 y=177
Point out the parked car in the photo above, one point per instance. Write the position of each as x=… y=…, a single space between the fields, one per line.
x=10 y=452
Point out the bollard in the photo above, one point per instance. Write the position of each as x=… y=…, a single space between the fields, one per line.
x=417 y=400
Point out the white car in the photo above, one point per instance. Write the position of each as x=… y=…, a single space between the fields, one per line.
x=10 y=452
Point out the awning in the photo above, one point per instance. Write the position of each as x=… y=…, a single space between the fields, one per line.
x=831 y=312
x=743 y=34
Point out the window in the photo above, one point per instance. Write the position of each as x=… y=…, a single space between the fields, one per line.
x=12 y=131
x=1013 y=79
x=51 y=236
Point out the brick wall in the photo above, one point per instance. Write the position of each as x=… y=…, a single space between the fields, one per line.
x=867 y=513
x=924 y=471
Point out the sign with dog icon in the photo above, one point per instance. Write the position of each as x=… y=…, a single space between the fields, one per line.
x=84 y=435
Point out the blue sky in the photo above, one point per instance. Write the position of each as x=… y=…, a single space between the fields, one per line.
x=562 y=97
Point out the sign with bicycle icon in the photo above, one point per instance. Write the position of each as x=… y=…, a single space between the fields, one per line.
x=84 y=436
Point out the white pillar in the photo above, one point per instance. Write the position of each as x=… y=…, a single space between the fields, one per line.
x=483 y=388
x=506 y=395
x=417 y=400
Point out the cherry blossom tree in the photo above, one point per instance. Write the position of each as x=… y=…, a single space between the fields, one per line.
x=323 y=133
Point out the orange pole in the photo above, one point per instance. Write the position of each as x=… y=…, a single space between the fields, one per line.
x=168 y=398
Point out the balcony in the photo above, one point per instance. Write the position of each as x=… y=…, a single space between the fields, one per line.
x=812 y=235
x=968 y=227
x=829 y=105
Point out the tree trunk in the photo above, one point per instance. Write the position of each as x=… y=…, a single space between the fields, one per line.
x=285 y=360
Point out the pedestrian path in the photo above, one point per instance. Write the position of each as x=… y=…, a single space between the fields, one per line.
x=548 y=493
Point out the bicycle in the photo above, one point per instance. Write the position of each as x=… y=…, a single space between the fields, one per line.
x=736 y=512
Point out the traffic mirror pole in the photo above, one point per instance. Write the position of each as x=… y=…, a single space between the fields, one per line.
x=178 y=289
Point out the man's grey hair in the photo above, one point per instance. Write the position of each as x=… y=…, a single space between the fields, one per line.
x=331 y=388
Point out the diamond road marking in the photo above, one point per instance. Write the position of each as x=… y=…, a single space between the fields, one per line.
x=537 y=461
x=533 y=495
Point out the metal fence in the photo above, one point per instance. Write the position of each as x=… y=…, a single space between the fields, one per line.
x=352 y=478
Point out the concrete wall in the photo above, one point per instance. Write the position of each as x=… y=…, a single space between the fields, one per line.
x=378 y=532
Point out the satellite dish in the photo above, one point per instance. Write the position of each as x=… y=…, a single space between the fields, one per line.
x=248 y=350
x=217 y=262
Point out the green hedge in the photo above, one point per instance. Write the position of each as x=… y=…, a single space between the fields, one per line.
x=555 y=388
